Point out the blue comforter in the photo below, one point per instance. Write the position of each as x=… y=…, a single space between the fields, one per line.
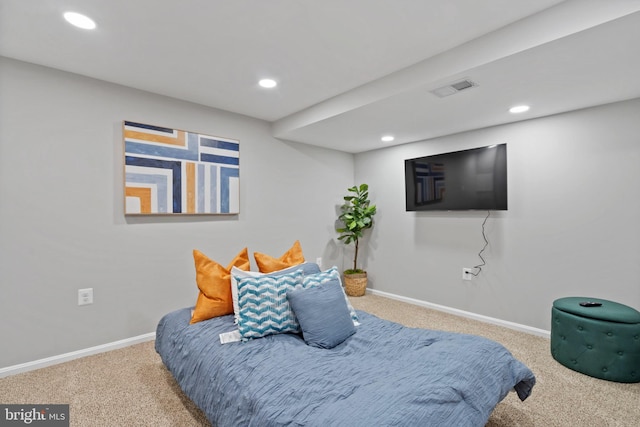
x=384 y=375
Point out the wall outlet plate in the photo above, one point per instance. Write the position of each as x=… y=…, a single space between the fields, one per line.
x=85 y=296
x=467 y=273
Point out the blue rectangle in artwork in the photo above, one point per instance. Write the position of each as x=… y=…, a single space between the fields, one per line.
x=225 y=175
x=168 y=152
x=174 y=166
x=191 y=153
x=150 y=127
x=215 y=143
x=213 y=183
x=213 y=158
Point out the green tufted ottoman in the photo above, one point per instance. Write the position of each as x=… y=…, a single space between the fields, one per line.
x=602 y=342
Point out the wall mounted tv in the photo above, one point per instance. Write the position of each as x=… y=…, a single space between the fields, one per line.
x=473 y=179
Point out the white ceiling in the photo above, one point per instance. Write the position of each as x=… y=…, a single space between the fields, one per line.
x=349 y=71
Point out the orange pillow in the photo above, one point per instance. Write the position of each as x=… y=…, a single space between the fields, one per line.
x=268 y=264
x=214 y=282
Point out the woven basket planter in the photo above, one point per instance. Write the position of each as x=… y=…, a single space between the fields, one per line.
x=355 y=285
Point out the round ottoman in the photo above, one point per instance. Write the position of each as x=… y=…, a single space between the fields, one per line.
x=599 y=341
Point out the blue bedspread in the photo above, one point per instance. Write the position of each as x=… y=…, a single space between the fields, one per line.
x=384 y=375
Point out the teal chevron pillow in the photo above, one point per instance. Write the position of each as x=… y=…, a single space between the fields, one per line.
x=307 y=268
x=325 y=277
x=263 y=304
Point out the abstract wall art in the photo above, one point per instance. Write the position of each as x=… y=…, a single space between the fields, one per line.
x=170 y=171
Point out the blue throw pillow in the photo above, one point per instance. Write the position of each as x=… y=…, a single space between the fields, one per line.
x=263 y=304
x=323 y=314
x=321 y=278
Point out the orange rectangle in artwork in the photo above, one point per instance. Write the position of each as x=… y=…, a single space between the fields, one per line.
x=179 y=140
x=191 y=187
x=144 y=194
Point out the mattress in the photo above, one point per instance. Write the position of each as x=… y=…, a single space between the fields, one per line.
x=386 y=374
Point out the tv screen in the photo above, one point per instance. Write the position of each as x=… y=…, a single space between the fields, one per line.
x=473 y=179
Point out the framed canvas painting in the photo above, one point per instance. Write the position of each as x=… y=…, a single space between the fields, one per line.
x=170 y=171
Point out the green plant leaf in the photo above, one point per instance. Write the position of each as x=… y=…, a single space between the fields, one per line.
x=356 y=215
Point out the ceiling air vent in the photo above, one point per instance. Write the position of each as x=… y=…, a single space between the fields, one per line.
x=453 y=88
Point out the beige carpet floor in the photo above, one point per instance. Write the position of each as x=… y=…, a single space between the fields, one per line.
x=131 y=387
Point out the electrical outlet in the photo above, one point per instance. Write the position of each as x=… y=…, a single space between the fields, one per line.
x=85 y=296
x=467 y=273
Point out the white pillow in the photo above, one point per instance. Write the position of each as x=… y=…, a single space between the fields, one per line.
x=236 y=272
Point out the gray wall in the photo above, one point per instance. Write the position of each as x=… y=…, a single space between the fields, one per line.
x=61 y=211
x=572 y=228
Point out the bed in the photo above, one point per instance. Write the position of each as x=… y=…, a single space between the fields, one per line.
x=385 y=374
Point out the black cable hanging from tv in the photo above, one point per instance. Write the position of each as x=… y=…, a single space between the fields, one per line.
x=486 y=243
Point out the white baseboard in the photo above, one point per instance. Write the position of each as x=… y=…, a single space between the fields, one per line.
x=474 y=316
x=54 y=360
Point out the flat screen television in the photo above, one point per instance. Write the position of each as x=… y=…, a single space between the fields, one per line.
x=474 y=179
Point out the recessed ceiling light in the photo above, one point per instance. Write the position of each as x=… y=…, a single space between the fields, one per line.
x=387 y=138
x=79 y=20
x=268 y=83
x=519 y=109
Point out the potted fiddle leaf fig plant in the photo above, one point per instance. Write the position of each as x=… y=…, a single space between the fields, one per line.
x=355 y=217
